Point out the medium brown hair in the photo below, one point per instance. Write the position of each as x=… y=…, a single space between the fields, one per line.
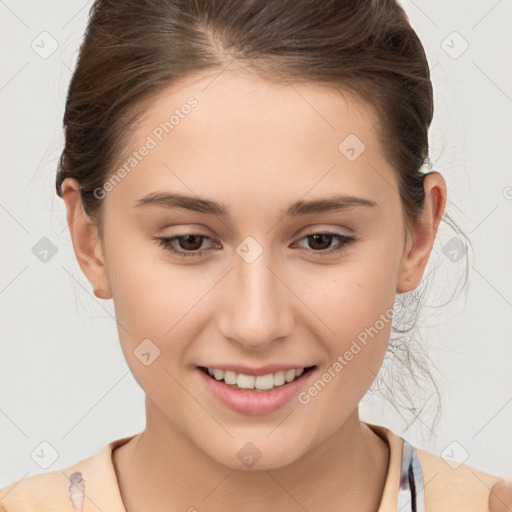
x=134 y=48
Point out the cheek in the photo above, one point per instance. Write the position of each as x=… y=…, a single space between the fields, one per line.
x=350 y=298
x=161 y=302
x=147 y=290
x=356 y=309
x=355 y=355
x=151 y=316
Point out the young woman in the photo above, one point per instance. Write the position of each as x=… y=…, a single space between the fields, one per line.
x=247 y=181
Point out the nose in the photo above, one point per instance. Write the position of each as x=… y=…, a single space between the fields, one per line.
x=255 y=306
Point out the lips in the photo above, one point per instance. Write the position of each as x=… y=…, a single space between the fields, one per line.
x=253 y=402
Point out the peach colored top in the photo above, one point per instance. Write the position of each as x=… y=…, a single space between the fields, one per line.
x=91 y=484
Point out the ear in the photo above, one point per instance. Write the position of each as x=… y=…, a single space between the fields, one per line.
x=87 y=243
x=421 y=236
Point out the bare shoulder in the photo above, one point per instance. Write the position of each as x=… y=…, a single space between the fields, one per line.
x=453 y=487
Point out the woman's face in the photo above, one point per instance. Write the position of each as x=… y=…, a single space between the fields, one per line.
x=253 y=164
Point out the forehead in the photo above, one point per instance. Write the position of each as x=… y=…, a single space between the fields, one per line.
x=239 y=137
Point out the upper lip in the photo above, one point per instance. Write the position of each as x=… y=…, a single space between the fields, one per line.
x=262 y=370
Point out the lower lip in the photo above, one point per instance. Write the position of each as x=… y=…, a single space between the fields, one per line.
x=255 y=403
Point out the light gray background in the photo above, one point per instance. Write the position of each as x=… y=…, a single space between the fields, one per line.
x=63 y=378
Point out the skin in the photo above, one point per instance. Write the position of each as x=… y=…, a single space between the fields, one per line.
x=255 y=146
x=500 y=497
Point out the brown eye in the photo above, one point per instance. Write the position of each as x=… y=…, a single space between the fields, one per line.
x=321 y=242
x=190 y=242
x=188 y=245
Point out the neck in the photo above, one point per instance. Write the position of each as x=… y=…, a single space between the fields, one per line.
x=158 y=470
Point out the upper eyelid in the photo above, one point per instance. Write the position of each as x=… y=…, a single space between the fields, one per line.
x=308 y=230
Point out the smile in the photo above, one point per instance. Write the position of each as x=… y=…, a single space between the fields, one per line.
x=258 y=383
x=254 y=395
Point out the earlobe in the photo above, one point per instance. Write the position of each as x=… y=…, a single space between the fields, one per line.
x=423 y=234
x=87 y=244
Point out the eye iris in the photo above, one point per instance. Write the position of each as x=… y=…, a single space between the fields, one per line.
x=321 y=236
x=187 y=238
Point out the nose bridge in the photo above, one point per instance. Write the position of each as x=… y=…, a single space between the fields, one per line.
x=256 y=309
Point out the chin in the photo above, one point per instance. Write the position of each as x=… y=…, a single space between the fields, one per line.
x=258 y=455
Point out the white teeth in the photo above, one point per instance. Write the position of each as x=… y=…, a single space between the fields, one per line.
x=289 y=375
x=218 y=374
x=261 y=382
x=229 y=377
x=245 y=381
x=264 y=381
x=279 y=378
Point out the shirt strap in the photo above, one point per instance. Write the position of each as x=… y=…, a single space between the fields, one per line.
x=411 y=495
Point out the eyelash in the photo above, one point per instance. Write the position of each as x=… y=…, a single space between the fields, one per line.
x=344 y=240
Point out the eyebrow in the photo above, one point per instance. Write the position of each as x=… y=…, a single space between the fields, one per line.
x=335 y=203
